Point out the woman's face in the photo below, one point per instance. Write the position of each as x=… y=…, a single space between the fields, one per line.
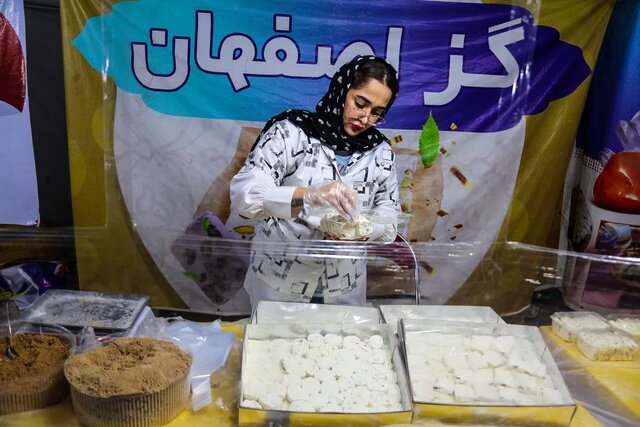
x=363 y=106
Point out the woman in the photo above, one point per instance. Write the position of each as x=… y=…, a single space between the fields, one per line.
x=333 y=158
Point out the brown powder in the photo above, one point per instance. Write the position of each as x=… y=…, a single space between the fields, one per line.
x=127 y=366
x=37 y=354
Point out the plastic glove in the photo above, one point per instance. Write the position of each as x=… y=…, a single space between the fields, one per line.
x=335 y=195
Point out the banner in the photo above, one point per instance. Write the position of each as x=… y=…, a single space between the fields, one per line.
x=603 y=184
x=18 y=185
x=189 y=85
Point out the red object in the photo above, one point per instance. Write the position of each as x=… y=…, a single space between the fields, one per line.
x=617 y=188
x=13 y=82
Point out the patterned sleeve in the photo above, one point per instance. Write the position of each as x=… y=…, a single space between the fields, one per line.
x=256 y=190
x=385 y=201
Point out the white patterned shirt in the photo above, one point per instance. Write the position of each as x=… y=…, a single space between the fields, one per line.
x=286 y=158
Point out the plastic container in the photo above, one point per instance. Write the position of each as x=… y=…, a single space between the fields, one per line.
x=294 y=312
x=566 y=324
x=627 y=322
x=459 y=313
x=478 y=373
x=136 y=409
x=607 y=345
x=273 y=353
x=41 y=389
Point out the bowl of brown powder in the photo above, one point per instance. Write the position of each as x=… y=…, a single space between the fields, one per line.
x=34 y=378
x=129 y=382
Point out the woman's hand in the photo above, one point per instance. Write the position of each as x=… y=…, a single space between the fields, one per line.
x=335 y=195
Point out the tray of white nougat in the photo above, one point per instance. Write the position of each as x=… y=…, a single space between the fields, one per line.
x=474 y=372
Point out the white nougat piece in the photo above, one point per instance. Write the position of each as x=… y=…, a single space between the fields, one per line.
x=315 y=339
x=551 y=396
x=301 y=406
x=535 y=367
x=300 y=347
x=318 y=353
x=503 y=344
x=463 y=375
x=431 y=339
x=494 y=358
x=484 y=376
x=332 y=407
x=295 y=365
x=326 y=362
x=248 y=403
x=629 y=324
x=394 y=394
x=516 y=359
x=481 y=343
x=333 y=340
x=422 y=392
x=504 y=376
x=445 y=384
x=567 y=324
x=439 y=397
x=295 y=391
x=437 y=353
x=252 y=388
x=464 y=393
x=375 y=341
x=351 y=342
x=509 y=394
x=379 y=356
x=486 y=392
x=324 y=375
x=452 y=340
x=607 y=345
x=272 y=401
x=526 y=382
x=330 y=388
x=456 y=360
x=319 y=400
x=477 y=360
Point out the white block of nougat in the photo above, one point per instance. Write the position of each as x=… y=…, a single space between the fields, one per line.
x=607 y=345
x=566 y=324
x=627 y=323
x=464 y=393
x=486 y=392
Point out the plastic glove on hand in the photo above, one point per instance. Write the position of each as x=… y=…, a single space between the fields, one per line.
x=335 y=195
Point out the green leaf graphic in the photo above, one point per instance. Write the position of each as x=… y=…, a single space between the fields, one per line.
x=429 y=142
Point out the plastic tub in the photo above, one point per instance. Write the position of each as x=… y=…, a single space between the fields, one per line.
x=21 y=391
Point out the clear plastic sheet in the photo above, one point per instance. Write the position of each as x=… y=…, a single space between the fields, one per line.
x=610 y=391
x=393 y=313
x=392 y=282
x=206 y=342
x=283 y=312
x=160 y=171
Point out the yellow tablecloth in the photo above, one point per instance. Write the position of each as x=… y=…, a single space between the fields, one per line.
x=610 y=391
x=616 y=386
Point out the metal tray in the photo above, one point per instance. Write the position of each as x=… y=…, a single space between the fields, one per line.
x=77 y=309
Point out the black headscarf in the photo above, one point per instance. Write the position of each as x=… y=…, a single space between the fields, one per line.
x=326 y=124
